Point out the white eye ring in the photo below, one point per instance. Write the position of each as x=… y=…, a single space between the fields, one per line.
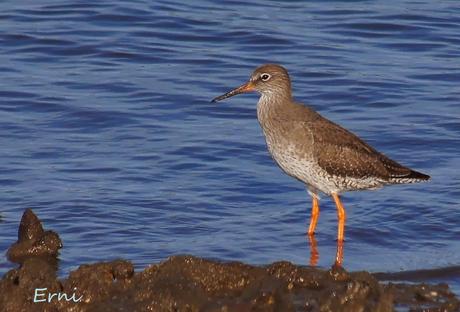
x=265 y=76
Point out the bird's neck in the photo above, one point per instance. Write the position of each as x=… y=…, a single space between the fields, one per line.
x=272 y=105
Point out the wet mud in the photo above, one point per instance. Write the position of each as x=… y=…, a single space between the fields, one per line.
x=188 y=283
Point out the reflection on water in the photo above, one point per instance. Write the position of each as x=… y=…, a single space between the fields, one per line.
x=314 y=253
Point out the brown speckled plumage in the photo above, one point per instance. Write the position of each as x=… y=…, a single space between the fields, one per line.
x=313 y=149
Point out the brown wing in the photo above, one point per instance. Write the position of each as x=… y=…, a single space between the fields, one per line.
x=340 y=152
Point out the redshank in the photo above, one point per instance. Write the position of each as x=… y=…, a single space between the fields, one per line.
x=316 y=151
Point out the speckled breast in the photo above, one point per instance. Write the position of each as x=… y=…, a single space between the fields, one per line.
x=296 y=160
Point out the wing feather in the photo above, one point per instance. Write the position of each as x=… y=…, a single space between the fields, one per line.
x=340 y=152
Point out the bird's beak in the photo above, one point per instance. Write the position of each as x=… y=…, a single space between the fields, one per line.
x=247 y=87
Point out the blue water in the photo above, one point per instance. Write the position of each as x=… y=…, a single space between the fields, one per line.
x=107 y=132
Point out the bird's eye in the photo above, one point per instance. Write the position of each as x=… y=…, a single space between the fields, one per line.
x=265 y=77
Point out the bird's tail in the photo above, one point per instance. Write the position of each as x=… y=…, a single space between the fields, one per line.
x=412 y=177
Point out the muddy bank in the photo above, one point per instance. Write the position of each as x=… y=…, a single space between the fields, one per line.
x=187 y=283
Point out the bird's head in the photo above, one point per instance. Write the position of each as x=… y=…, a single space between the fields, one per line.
x=269 y=80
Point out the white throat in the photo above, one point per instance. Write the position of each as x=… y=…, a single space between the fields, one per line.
x=266 y=105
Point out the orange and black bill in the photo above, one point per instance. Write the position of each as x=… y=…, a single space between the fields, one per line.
x=247 y=87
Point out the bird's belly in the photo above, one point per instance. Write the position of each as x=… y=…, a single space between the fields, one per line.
x=303 y=168
x=317 y=179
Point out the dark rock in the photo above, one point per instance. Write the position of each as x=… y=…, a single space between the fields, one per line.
x=33 y=240
x=17 y=288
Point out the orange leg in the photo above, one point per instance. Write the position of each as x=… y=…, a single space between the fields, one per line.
x=341 y=216
x=314 y=216
x=339 y=253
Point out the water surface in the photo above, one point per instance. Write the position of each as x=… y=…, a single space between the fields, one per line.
x=107 y=132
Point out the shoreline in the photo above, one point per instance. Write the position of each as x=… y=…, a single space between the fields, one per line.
x=189 y=283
